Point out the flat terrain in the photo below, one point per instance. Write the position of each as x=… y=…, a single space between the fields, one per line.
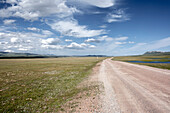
x=67 y=85
x=42 y=85
x=132 y=88
x=159 y=58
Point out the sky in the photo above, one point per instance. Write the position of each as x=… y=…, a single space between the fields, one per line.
x=83 y=27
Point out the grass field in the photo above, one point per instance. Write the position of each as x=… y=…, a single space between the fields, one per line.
x=41 y=85
x=163 y=58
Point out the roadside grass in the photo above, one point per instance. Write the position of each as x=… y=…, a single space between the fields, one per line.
x=41 y=85
x=157 y=65
x=163 y=58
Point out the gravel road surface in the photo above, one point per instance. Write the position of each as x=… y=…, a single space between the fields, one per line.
x=132 y=88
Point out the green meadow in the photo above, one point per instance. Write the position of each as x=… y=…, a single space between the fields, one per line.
x=42 y=85
x=161 y=58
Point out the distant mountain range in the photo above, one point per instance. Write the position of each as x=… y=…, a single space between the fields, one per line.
x=16 y=54
x=149 y=53
x=20 y=55
x=4 y=55
x=8 y=55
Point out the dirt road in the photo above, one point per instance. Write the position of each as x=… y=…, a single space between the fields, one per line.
x=131 y=88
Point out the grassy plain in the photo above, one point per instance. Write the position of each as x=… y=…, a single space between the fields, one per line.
x=161 y=58
x=41 y=85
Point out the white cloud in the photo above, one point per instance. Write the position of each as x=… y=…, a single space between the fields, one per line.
x=3 y=43
x=5 y=13
x=131 y=42
x=14 y=40
x=97 y=3
x=96 y=12
x=61 y=12
x=4 y=35
x=117 y=16
x=103 y=26
x=92 y=46
x=20 y=35
x=54 y=47
x=28 y=41
x=137 y=46
x=33 y=42
x=105 y=38
x=159 y=44
x=8 y=51
x=7 y=29
x=92 y=40
x=33 y=9
x=77 y=46
x=71 y=28
x=68 y=40
x=23 y=41
x=143 y=47
x=121 y=38
x=50 y=41
x=119 y=43
x=23 y=49
x=33 y=29
x=47 y=32
x=11 y=1
x=7 y=22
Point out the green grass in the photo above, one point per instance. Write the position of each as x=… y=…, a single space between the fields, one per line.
x=41 y=85
x=162 y=58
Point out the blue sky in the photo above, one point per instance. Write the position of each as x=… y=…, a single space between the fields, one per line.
x=81 y=27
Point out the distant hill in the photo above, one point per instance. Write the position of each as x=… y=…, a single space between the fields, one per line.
x=9 y=55
x=158 y=53
x=90 y=56
x=20 y=55
x=16 y=54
